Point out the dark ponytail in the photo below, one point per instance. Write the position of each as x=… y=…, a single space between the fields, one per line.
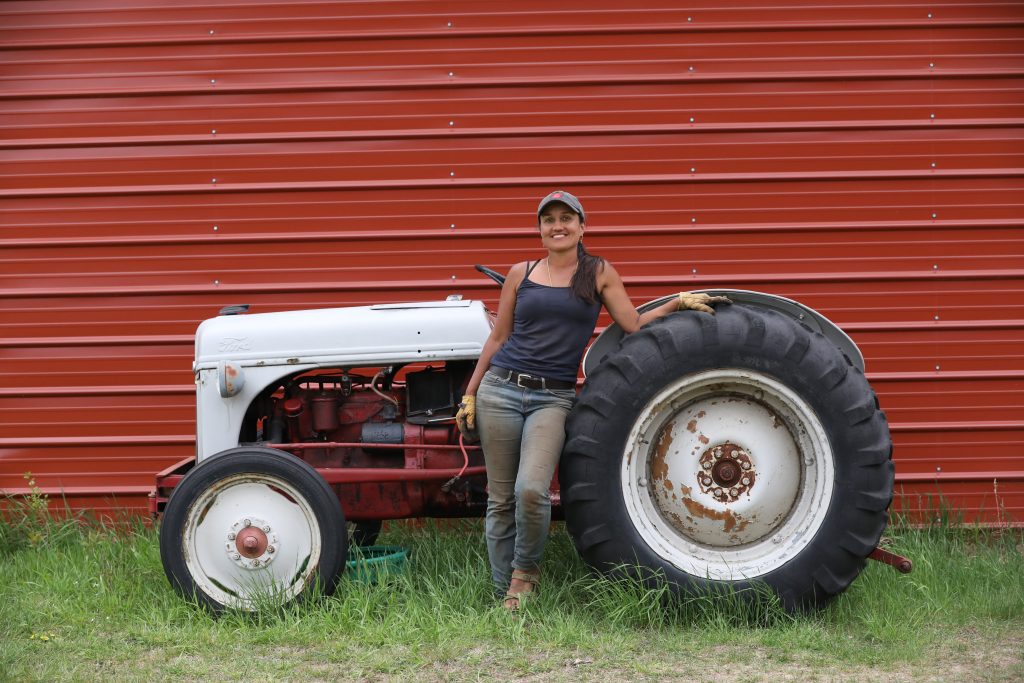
x=584 y=280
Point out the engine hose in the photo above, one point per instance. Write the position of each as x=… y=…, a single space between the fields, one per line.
x=373 y=387
x=447 y=486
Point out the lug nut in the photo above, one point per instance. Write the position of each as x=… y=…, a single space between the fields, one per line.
x=706 y=481
x=719 y=493
x=746 y=481
x=255 y=563
x=271 y=549
x=235 y=556
x=734 y=492
x=247 y=523
x=267 y=528
x=746 y=465
x=706 y=465
x=231 y=536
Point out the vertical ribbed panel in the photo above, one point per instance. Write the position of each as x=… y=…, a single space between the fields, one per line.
x=164 y=159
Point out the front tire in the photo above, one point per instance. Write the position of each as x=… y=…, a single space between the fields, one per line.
x=252 y=527
x=725 y=450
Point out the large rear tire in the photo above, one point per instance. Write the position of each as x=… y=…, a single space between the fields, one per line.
x=252 y=527
x=719 y=451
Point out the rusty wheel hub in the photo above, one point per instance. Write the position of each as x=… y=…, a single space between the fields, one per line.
x=726 y=472
x=251 y=543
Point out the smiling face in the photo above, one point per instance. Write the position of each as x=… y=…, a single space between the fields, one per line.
x=560 y=227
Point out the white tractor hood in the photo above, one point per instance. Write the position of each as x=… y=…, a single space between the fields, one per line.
x=353 y=337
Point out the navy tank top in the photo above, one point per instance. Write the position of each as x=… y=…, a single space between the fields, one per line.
x=550 y=331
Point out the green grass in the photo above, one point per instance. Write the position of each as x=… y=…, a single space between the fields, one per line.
x=87 y=602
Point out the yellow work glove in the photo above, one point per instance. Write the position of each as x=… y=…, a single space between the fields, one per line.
x=466 y=417
x=700 y=302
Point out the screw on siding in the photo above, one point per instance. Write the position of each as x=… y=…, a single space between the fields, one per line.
x=213 y=80
x=213 y=180
x=694 y=271
x=931 y=65
x=452 y=226
x=693 y=169
x=934 y=164
x=936 y=317
x=937 y=368
x=216 y=228
x=935 y=215
x=935 y=267
x=213 y=132
x=692 y=119
x=450 y=24
x=451 y=123
x=451 y=73
x=938 y=469
x=693 y=220
x=452 y=173
x=211 y=31
x=932 y=116
x=689 y=18
x=217 y=282
x=691 y=68
x=929 y=15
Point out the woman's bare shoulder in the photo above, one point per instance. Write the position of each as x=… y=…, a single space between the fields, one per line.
x=606 y=273
x=517 y=272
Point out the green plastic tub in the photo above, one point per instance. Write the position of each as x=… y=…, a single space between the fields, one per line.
x=374 y=563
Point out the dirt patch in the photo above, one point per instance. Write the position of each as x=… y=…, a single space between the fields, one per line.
x=972 y=656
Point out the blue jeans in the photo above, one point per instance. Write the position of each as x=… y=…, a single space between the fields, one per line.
x=522 y=432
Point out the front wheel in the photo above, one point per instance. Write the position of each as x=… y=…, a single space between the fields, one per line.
x=720 y=451
x=252 y=527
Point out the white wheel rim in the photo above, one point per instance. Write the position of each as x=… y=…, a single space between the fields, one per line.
x=285 y=557
x=745 y=531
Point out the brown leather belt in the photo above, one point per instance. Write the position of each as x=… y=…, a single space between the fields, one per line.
x=526 y=381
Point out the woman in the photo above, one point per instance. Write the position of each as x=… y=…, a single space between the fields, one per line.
x=524 y=383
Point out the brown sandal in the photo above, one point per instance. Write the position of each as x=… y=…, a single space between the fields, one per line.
x=513 y=601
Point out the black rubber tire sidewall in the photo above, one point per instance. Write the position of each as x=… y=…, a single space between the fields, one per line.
x=738 y=337
x=254 y=460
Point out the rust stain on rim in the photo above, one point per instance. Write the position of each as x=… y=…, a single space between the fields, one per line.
x=733 y=522
x=659 y=463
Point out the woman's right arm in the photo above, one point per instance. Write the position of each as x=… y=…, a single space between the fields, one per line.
x=502 y=326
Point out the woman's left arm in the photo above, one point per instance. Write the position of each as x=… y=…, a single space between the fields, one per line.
x=620 y=308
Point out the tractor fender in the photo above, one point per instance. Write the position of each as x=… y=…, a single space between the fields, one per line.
x=608 y=341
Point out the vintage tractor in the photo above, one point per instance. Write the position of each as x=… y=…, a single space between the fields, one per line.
x=703 y=450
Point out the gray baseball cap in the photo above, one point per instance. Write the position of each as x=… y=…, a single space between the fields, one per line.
x=567 y=199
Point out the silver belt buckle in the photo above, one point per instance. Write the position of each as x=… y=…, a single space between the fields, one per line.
x=519 y=380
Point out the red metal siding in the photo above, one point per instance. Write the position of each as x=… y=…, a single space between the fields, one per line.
x=163 y=159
